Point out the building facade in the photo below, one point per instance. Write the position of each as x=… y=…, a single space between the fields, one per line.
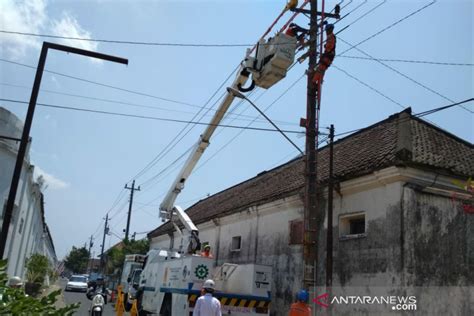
x=402 y=224
x=28 y=233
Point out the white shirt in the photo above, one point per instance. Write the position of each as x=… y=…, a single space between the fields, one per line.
x=207 y=306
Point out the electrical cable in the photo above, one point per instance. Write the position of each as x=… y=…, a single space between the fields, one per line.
x=409 y=61
x=146 y=117
x=418 y=115
x=402 y=74
x=389 y=26
x=129 y=103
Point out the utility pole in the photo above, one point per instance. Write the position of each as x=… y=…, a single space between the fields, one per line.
x=91 y=243
x=329 y=239
x=106 y=231
x=313 y=96
x=132 y=190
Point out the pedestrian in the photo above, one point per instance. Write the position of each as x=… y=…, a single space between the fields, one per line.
x=207 y=252
x=328 y=56
x=207 y=305
x=15 y=282
x=301 y=307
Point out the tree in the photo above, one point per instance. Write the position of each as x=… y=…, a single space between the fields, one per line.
x=14 y=301
x=77 y=260
x=116 y=256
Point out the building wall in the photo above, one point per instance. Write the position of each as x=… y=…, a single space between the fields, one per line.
x=407 y=236
x=27 y=228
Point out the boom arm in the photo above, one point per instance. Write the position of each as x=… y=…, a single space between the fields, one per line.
x=167 y=207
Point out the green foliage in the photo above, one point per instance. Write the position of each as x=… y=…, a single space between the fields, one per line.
x=14 y=301
x=37 y=267
x=77 y=260
x=116 y=257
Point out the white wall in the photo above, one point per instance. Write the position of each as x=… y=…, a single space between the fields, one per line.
x=30 y=239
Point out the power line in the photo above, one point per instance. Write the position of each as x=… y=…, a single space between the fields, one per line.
x=409 y=61
x=402 y=74
x=147 y=117
x=420 y=114
x=174 y=141
x=103 y=84
x=130 y=103
x=124 y=42
x=389 y=26
x=369 y=86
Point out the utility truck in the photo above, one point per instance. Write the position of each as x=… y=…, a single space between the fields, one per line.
x=171 y=279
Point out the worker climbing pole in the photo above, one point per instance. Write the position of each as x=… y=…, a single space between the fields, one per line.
x=315 y=75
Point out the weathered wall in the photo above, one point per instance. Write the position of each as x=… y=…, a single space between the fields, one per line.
x=412 y=239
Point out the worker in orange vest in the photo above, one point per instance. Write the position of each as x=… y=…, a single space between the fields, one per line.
x=301 y=307
x=327 y=57
x=207 y=252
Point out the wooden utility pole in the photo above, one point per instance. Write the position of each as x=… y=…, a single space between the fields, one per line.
x=329 y=239
x=310 y=212
x=313 y=91
x=132 y=190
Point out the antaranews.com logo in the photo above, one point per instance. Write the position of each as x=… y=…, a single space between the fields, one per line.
x=393 y=302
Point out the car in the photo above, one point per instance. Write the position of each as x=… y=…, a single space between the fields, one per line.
x=77 y=283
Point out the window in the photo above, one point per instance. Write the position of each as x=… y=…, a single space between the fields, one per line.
x=236 y=243
x=352 y=225
x=296 y=232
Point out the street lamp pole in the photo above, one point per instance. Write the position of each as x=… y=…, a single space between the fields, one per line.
x=27 y=127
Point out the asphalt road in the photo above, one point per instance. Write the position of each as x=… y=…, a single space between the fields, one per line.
x=80 y=297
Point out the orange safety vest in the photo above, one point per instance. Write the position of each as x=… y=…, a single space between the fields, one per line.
x=300 y=309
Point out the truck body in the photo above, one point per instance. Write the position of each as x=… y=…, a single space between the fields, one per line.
x=170 y=284
x=131 y=263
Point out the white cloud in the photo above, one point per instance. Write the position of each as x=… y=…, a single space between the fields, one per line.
x=21 y=16
x=68 y=26
x=50 y=181
x=31 y=16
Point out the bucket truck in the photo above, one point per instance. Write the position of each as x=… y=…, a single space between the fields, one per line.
x=171 y=280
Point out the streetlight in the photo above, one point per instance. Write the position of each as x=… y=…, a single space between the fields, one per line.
x=239 y=94
x=27 y=127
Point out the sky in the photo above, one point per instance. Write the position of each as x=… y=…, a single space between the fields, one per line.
x=87 y=158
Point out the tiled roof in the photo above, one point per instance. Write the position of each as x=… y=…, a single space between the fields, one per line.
x=373 y=148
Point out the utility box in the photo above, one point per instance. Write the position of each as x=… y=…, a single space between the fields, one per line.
x=273 y=58
x=254 y=279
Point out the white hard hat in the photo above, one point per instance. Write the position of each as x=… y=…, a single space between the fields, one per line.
x=15 y=281
x=209 y=284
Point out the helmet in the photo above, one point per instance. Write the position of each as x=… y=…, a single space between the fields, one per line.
x=303 y=296
x=209 y=284
x=207 y=247
x=329 y=27
x=15 y=281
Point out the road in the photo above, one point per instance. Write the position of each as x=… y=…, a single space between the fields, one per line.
x=80 y=297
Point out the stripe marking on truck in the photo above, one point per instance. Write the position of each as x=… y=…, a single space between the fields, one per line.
x=237 y=302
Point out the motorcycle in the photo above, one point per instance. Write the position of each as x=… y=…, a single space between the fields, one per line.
x=99 y=299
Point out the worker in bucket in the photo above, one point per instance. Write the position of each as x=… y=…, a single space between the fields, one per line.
x=207 y=252
x=301 y=307
x=328 y=56
x=207 y=305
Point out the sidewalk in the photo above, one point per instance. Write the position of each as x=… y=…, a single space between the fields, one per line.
x=60 y=303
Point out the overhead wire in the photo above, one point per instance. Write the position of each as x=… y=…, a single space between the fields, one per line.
x=248 y=117
x=401 y=74
x=412 y=61
x=418 y=115
x=146 y=117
